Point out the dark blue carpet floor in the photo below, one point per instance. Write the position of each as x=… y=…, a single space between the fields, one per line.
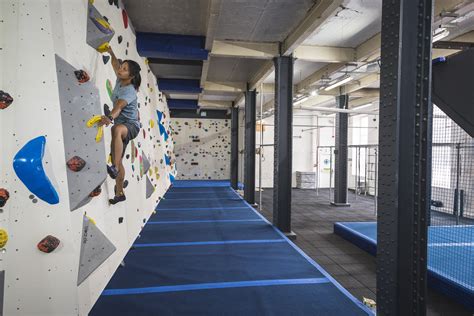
x=207 y=252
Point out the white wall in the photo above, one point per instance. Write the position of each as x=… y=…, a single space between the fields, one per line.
x=202 y=148
x=31 y=34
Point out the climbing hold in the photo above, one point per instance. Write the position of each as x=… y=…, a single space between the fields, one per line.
x=105 y=59
x=28 y=166
x=5 y=100
x=120 y=39
x=3 y=238
x=81 y=76
x=146 y=61
x=152 y=123
x=160 y=115
x=4 y=196
x=120 y=220
x=76 y=164
x=97 y=191
x=125 y=18
x=91 y=220
x=48 y=244
x=106 y=110
x=116 y=3
x=100 y=129
x=132 y=151
x=100 y=23
x=150 y=188
x=111 y=2
x=171 y=178
x=103 y=47
x=108 y=86
x=369 y=302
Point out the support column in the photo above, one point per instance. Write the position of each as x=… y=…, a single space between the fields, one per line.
x=249 y=167
x=234 y=148
x=405 y=157
x=340 y=153
x=283 y=134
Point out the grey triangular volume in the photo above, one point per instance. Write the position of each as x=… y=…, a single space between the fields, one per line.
x=146 y=163
x=95 y=249
x=94 y=36
x=150 y=188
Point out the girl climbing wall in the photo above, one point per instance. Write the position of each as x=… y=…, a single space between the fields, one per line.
x=124 y=117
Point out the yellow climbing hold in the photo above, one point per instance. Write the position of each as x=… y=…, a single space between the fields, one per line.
x=104 y=47
x=91 y=1
x=110 y=159
x=146 y=61
x=152 y=123
x=100 y=129
x=91 y=220
x=3 y=238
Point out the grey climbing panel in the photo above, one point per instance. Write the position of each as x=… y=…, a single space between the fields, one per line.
x=95 y=249
x=95 y=37
x=150 y=188
x=79 y=102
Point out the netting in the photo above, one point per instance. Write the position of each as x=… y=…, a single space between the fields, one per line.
x=451 y=231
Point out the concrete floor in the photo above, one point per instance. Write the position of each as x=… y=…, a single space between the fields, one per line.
x=353 y=268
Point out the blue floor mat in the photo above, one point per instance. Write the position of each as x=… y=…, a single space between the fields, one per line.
x=450 y=256
x=219 y=257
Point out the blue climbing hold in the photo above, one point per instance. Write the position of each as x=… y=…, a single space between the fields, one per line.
x=171 y=178
x=28 y=166
x=167 y=160
x=162 y=129
x=160 y=115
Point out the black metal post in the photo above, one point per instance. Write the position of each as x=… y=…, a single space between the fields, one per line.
x=283 y=133
x=405 y=157
x=340 y=153
x=234 y=148
x=249 y=168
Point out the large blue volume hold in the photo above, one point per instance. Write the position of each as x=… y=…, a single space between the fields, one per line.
x=28 y=166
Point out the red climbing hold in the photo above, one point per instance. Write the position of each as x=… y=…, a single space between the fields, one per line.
x=125 y=18
x=48 y=244
x=81 y=76
x=5 y=100
x=76 y=164
x=4 y=196
x=97 y=191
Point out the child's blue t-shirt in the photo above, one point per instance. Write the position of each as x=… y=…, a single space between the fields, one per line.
x=129 y=113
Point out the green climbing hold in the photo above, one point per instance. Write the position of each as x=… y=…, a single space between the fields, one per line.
x=108 y=85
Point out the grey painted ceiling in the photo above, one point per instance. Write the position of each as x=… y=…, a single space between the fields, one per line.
x=260 y=20
x=186 y=17
x=233 y=69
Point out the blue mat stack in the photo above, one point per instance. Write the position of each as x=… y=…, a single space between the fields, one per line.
x=450 y=258
x=207 y=252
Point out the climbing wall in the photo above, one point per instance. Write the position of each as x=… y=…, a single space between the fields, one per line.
x=202 y=148
x=60 y=240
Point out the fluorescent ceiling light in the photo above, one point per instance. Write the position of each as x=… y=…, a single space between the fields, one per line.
x=301 y=100
x=338 y=83
x=363 y=106
x=314 y=93
x=439 y=34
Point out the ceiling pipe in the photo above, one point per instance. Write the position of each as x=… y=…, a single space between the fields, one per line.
x=335 y=110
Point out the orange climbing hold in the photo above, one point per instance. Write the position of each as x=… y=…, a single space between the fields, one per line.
x=81 y=76
x=76 y=164
x=4 y=196
x=48 y=244
x=5 y=100
x=97 y=191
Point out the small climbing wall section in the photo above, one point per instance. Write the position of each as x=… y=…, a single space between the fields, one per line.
x=202 y=148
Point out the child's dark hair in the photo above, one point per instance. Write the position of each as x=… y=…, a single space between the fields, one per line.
x=134 y=70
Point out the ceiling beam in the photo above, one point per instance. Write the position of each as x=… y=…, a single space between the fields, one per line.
x=233 y=87
x=324 y=54
x=318 y=14
x=305 y=84
x=355 y=85
x=214 y=104
x=244 y=49
x=214 y=10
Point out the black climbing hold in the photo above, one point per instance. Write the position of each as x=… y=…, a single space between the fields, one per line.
x=105 y=18
x=120 y=39
x=127 y=156
x=116 y=3
x=106 y=110
x=48 y=244
x=81 y=76
x=111 y=2
x=4 y=196
x=105 y=59
x=76 y=164
x=120 y=220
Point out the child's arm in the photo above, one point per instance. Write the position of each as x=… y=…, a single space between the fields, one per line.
x=115 y=62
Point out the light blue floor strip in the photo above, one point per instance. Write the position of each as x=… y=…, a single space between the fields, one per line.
x=205 y=243
x=203 y=208
x=210 y=286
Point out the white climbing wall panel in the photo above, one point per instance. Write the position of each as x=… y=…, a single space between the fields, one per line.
x=202 y=148
x=32 y=33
